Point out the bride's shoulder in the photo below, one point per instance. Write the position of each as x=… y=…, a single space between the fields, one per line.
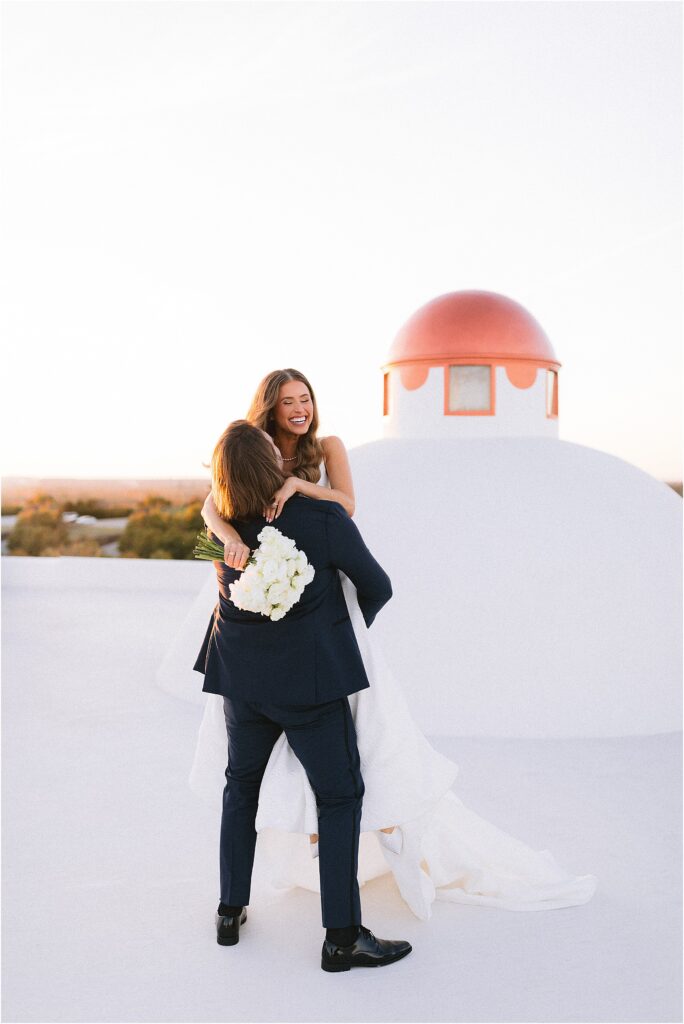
x=337 y=462
x=332 y=444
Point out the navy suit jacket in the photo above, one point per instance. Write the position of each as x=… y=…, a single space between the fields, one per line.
x=311 y=655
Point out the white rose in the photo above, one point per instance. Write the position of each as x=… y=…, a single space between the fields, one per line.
x=266 y=534
x=248 y=592
x=308 y=574
x=282 y=569
x=269 y=569
x=278 y=591
x=269 y=545
x=297 y=584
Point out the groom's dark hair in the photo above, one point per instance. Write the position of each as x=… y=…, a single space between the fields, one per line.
x=245 y=473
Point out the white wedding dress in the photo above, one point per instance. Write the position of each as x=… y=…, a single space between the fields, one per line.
x=440 y=849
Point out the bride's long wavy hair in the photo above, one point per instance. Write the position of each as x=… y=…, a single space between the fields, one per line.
x=309 y=453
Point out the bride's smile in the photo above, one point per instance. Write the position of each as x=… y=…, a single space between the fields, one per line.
x=292 y=416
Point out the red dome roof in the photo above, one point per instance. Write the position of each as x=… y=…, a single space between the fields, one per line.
x=471 y=323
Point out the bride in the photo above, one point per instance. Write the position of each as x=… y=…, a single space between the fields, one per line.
x=411 y=820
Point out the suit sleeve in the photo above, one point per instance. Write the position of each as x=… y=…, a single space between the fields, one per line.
x=349 y=553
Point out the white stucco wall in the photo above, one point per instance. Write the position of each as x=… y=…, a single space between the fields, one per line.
x=536 y=584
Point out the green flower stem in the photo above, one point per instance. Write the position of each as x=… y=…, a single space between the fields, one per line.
x=209 y=551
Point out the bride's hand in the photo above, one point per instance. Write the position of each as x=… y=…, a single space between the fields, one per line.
x=280 y=497
x=235 y=554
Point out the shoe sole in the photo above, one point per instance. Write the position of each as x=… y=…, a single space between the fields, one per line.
x=334 y=968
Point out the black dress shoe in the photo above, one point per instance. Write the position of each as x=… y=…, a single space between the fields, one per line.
x=228 y=927
x=366 y=951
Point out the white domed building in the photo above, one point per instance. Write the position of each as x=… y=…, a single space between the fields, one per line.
x=536 y=581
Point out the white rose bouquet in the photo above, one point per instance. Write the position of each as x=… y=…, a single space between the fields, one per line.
x=275 y=575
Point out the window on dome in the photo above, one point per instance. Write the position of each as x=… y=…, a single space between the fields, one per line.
x=552 y=393
x=385 y=397
x=469 y=388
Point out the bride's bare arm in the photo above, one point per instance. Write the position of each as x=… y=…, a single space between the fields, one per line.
x=339 y=474
x=217 y=525
x=235 y=552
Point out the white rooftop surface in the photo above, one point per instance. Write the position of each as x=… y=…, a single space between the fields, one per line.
x=111 y=863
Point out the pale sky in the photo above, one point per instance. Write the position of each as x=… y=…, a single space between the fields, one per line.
x=197 y=193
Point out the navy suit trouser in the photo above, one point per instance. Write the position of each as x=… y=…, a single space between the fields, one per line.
x=323 y=738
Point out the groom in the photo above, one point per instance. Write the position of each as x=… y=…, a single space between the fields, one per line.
x=293 y=675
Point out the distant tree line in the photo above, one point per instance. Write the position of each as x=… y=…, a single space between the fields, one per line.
x=154 y=529
x=158 y=530
x=39 y=529
x=98 y=508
